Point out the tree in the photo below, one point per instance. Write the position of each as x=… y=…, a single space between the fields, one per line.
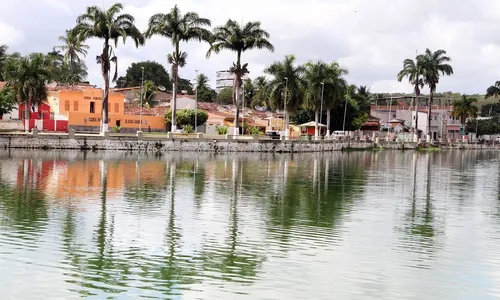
x=178 y=28
x=287 y=85
x=433 y=64
x=464 y=108
x=7 y=100
x=493 y=91
x=73 y=48
x=3 y=59
x=187 y=117
x=203 y=90
x=110 y=26
x=149 y=93
x=492 y=109
x=225 y=96
x=238 y=38
x=412 y=69
x=185 y=85
x=315 y=74
x=261 y=96
x=484 y=127
x=26 y=78
x=248 y=92
x=152 y=71
x=335 y=88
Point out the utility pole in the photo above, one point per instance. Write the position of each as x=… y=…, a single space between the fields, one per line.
x=196 y=105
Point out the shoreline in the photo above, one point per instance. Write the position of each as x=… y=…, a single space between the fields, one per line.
x=200 y=143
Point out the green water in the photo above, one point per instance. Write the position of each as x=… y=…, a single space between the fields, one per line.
x=361 y=225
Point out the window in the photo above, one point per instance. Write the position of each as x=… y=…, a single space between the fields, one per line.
x=435 y=118
x=75 y=106
x=118 y=123
x=66 y=105
x=117 y=107
x=92 y=107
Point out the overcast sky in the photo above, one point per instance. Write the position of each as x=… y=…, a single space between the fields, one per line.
x=371 y=38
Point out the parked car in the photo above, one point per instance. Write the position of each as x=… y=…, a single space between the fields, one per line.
x=273 y=134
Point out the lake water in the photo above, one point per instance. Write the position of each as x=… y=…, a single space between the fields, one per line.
x=361 y=225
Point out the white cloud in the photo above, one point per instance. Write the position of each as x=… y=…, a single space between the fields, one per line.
x=10 y=35
x=370 y=38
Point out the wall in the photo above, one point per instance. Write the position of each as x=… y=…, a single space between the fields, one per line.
x=80 y=101
x=128 y=123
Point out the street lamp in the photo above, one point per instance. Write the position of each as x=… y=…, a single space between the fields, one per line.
x=196 y=104
x=142 y=95
x=345 y=110
x=321 y=109
x=284 y=108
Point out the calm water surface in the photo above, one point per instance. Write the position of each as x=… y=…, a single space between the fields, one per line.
x=388 y=225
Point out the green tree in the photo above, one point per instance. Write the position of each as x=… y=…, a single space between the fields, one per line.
x=225 y=96
x=73 y=48
x=26 y=80
x=178 y=28
x=261 y=96
x=110 y=26
x=149 y=93
x=464 y=108
x=287 y=85
x=492 y=109
x=412 y=69
x=484 y=127
x=152 y=71
x=248 y=92
x=7 y=100
x=315 y=75
x=433 y=64
x=3 y=59
x=493 y=91
x=238 y=38
x=335 y=87
x=203 y=90
x=187 y=117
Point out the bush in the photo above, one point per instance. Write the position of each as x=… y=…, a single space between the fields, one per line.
x=116 y=128
x=188 y=128
x=186 y=117
x=254 y=130
x=221 y=130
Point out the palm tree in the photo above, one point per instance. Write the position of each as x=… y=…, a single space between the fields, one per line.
x=238 y=38
x=110 y=26
x=335 y=86
x=413 y=70
x=287 y=85
x=3 y=59
x=261 y=86
x=315 y=75
x=26 y=77
x=178 y=28
x=434 y=64
x=202 y=82
x=464 y=108
x=493 y=91
x=73 y=48
x=149 y=93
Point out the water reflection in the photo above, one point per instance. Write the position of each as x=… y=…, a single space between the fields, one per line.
x=275 y=226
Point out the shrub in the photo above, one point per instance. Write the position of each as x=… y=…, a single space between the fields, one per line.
x=116 y=128
x=254 y=130
x=188 y=128
x=221 y=130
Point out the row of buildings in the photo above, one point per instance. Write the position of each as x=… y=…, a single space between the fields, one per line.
x=399 y=119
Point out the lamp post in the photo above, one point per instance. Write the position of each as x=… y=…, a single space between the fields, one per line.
x=142 y=95
x=285 y=125
x=321 y=107
x=196 y=105
x=345 y=111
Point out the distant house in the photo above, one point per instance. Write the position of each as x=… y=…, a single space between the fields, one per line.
x=370 y=126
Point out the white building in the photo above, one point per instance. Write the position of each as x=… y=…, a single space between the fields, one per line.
x=225 y=79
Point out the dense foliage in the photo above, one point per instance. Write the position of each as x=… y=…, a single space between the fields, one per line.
x=153 y=71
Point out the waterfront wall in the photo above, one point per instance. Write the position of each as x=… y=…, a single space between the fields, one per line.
x=200 y=144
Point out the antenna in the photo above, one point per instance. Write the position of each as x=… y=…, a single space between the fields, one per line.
x=162 y=88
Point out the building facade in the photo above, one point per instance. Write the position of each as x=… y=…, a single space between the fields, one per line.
x=225 y=79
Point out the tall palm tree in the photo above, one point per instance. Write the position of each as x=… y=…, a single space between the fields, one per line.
x=335 y=86
x=286 y=89
x=26 y=77
x=149 y=93
x=493 y=91
x=412 y=69
x=3 y=59
x=239 y=38
x=110 y=26
x=315 y=75
x=434 y=64
x=73 y=48
x=464 y=108
x=178 y=28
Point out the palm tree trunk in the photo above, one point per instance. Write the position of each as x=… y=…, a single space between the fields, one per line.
x=173 y=103
x=237 y=97
x=316 y=117
x=27 y=116
x=328 y=122
x=105 y=67
x=429 y=118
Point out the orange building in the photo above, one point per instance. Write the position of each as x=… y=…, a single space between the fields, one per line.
x=82 y=107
